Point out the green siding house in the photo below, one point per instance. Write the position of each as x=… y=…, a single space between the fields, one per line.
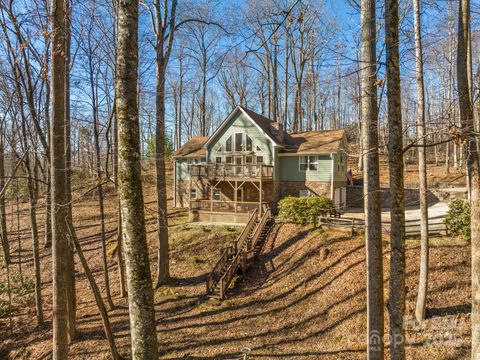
x=250 y=163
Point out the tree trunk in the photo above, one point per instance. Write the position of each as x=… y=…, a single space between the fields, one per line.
x=71 y=294
x=420 y=309
x=98 y=170
x=3 y=216
x=120 y=262
x=59 y=199
x=473 y=168
x=48 y=209
x=139 y=282
x=33 y=223
x=396 y=304
x=373 y=235
x=163 y=271
x=96 y=293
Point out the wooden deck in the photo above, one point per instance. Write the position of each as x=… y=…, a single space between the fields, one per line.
x=231 y=171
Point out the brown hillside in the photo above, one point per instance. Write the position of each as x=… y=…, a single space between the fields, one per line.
x=305 y=300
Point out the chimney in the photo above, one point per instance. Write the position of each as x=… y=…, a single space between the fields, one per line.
x=278 y=131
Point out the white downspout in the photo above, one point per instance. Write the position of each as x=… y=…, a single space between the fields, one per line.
x=332 y=193
x=174 y=183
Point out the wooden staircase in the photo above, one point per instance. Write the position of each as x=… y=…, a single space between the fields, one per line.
x=239 y=256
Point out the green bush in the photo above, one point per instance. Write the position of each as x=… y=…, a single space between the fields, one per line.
x=458 y=218
x=304 y=210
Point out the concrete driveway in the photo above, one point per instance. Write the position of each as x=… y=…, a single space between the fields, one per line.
x=436 y=214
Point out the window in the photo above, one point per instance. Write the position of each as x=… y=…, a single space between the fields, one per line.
x=238 y=142
x=228 y=159
x=228 y=144
x=218 y=160
x=218 y=148
x=259 y=159
x=203 y=160
x=217 y=194
x=307 y=163
x=248 y=159
x=259 y=148
x=240 y=194
x=193 y=193
x=248 y=143
x=304 y=193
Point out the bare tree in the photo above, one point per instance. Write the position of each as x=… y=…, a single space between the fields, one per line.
x=396 y=304
x=139 y=282
x=59 y=200
x=471 y=156
x=422 y=167
x=373 y=234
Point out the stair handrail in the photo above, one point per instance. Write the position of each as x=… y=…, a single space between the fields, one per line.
x=238 y=244
x=222 y=260
x=259 y=229
x=227 y=277
x=231 y=250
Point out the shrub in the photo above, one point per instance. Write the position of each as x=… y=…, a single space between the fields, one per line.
x=458 y=218
x=304 y=210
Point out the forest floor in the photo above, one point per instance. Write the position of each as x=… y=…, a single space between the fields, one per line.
x=305 y=299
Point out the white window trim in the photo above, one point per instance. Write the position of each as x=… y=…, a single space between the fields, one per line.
x=308 y=162
x=243 y=141
x=232 y=145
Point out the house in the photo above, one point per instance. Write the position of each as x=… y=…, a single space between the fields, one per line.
x=249 y=162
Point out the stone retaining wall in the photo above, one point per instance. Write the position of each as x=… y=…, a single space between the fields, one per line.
x=412 y=196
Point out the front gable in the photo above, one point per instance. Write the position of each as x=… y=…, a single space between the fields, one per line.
x=239 y=123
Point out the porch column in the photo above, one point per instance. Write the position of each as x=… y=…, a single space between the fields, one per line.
x=260 y=197
x=211 y=198
x=235 y=196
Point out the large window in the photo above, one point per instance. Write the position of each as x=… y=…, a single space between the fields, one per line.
x=248 y=143
x=239 y=142
x=218 y=160
x=308 y=163
x=228 y=144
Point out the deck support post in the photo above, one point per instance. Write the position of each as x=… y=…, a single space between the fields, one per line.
x=260 y=197
x=211 y=197
x=235 y=190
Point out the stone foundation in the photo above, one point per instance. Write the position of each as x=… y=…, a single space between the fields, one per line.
x=292 y=188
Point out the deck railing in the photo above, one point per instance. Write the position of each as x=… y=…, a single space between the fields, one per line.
x=227 y=253
x=244 y=252
x=225 y=206
x=216 y=171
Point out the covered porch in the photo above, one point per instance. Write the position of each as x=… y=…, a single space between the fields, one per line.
x=231 y=200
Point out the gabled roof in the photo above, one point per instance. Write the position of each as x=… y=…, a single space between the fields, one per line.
x=193 y=148
x=306 y=142
x=264 y=124
x=314 y=142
